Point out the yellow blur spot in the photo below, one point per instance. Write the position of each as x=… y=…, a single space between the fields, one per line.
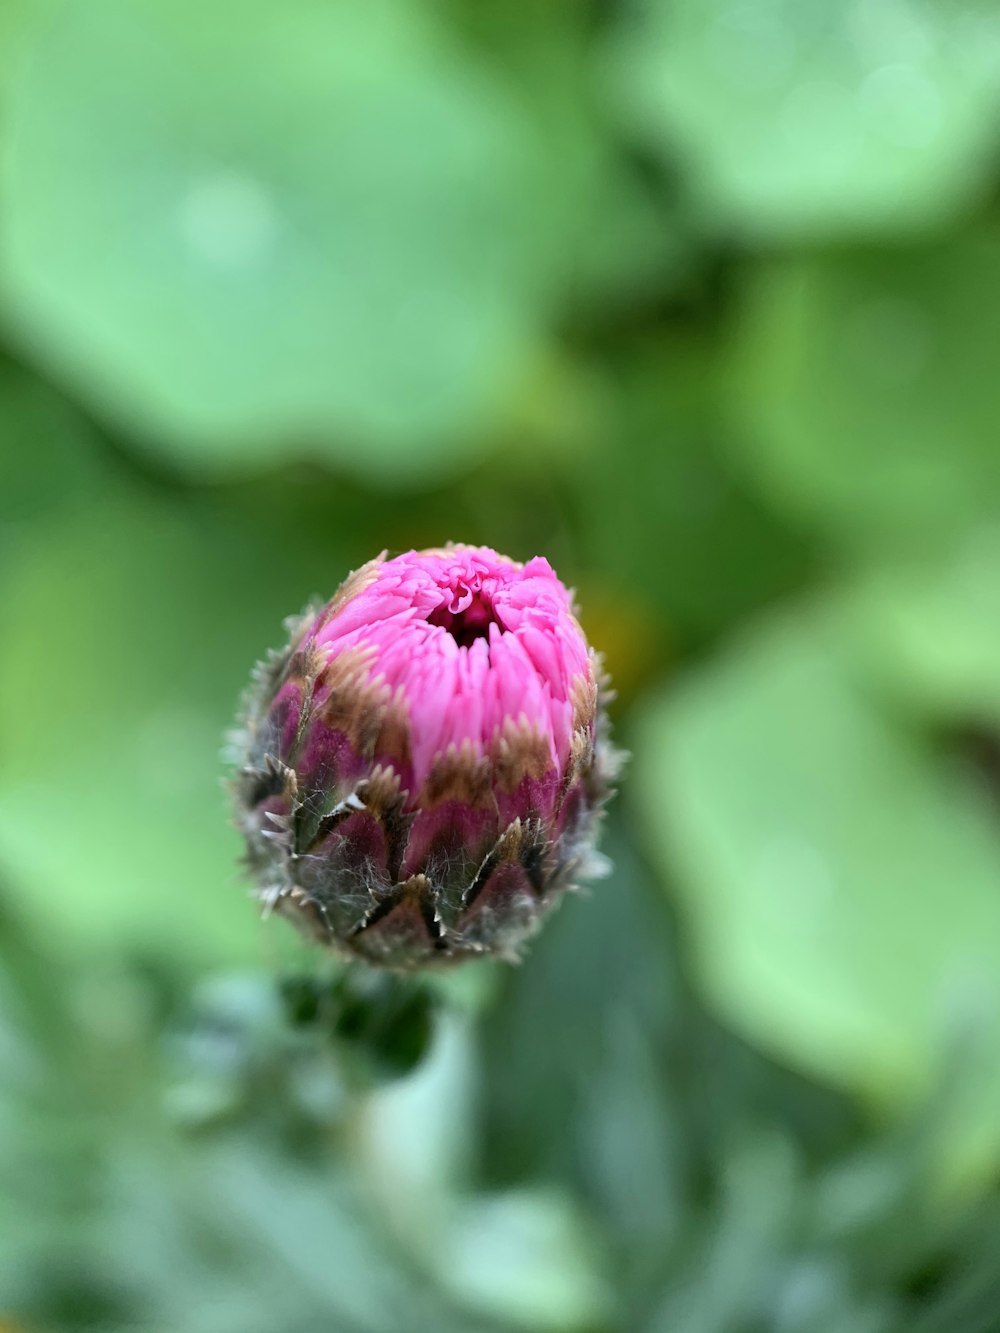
x=629 y=633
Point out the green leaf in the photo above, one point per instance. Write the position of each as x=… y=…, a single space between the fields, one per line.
x=47 y=452
x=325 y=229
x=526 y=1258
x=865 y=392
x=415 y=1140
x=129 y=631
x=931 y=629
x=839 y=882
x=810 y=119
x=723 y=551
x=14 y=17
x=584 y=1067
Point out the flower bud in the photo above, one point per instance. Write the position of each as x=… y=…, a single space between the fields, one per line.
x=423 y=767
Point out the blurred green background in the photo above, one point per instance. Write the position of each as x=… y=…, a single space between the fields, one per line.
x=700 y=300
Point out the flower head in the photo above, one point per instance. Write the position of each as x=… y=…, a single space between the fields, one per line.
x=422 y=767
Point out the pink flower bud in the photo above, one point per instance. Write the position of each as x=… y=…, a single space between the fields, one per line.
x=423 y=768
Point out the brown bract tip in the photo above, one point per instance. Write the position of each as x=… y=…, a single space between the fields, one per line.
x=356 y=582
x=583 y=695
x=353 y=703
x=519 y=751
x=581 y=756
x=380 y=791
x=460 y=773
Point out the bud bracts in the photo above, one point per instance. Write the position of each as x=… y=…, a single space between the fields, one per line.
x=423 y=767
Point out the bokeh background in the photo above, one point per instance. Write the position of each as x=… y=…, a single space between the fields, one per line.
x=702 y=301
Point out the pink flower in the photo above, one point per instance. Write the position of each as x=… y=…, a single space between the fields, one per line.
x=423 y=767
